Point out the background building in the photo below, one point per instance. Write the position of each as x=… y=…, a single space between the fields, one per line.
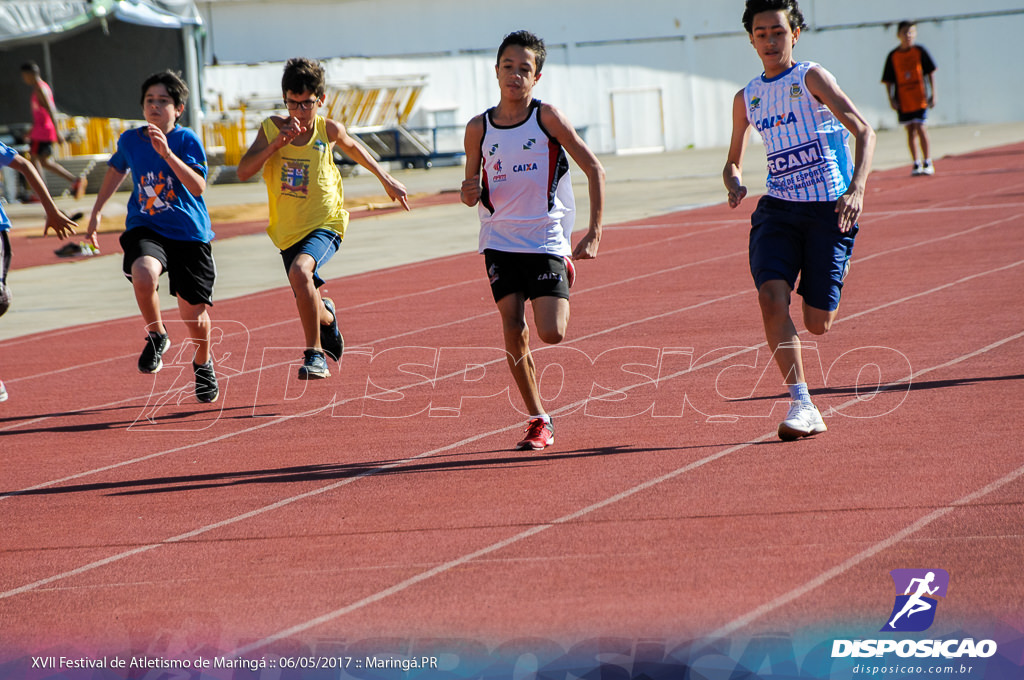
x=646 y=74
x=651 y=74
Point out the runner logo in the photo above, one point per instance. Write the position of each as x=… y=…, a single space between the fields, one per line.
x=914 y=609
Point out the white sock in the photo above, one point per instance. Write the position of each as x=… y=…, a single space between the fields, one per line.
x=798 y=392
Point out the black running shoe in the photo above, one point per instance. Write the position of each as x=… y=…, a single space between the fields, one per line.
x=314 y=366
x=151 y=359
x=207 y=390
x=330 y=336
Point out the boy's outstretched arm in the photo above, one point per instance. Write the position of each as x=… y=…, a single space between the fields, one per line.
x=826 y=90
x=470 y=193
x=111 y=181
x=337 y=133
x=732 y=175
x=61 y=224
x=558 y=125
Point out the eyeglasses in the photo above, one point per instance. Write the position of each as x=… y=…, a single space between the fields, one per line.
x=306 y=105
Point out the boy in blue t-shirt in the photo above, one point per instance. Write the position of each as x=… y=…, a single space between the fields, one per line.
x=167 y=227
x=61 y=224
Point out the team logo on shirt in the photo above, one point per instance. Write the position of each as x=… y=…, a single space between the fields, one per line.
x=795 y=92
x=794 y=159
x=156 y=193
x=494 y=150
x=498 y=176
x=529 y=143
x=755 y=103
x=295 y=178
x=775 y=121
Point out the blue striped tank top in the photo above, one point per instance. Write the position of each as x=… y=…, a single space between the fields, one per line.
x=808 y=148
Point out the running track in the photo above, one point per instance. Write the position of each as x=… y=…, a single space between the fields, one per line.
x=385 y=503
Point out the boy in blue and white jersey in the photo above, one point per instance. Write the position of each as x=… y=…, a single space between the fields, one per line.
x=806 y=224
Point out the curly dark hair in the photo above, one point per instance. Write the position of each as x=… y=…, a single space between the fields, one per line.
x=304 y=75
x=527 y=40
x=790 y=7
x=176 y=87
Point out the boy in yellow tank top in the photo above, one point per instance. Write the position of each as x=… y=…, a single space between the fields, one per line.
x=307 y=214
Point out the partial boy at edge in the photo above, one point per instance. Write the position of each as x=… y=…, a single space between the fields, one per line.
x=61 y=224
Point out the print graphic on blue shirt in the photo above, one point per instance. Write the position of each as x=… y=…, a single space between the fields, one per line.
x=156 y=193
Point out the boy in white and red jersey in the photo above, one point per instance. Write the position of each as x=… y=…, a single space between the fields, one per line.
x=806 y=224
x=518 y=173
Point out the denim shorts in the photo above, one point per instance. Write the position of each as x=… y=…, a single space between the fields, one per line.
x=320 y=244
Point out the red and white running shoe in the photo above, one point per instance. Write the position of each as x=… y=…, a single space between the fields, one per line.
x=539 y=435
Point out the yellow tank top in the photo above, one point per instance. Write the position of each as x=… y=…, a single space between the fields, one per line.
x=303 y=188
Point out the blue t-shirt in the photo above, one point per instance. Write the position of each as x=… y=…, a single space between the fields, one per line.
x=7 y=154
x=159 y=201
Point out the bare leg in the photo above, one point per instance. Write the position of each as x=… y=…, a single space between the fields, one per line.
x=312 y=311
x=146 y=272
x=516 y=333
x=197 y=320
x=779 y=330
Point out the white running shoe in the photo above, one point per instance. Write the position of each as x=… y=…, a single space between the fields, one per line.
x=802 y=420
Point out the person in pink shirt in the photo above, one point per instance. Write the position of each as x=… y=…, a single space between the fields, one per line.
x=44 y=132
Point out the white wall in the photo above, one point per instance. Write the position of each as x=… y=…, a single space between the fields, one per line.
x=696 y=52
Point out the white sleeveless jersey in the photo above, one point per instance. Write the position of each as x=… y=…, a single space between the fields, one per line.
x=808 y=150
x=526 y=201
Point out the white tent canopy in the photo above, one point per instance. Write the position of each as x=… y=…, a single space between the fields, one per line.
x=29 y=21
x=91 y=29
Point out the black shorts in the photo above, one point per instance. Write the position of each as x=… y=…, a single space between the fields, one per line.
x=5 y=255
x=190 y=268
x=41 y=149
x=5 y=265
x=533 y=275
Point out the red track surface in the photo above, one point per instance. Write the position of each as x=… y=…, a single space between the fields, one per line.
x=32 y=249
x=130 y=512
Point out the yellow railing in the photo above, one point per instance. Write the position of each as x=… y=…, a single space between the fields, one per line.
x=381 y=104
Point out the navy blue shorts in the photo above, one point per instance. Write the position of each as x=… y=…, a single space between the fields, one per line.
x=790 y=238
x=320 y=244
x=533 y=275
x=909 y=117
